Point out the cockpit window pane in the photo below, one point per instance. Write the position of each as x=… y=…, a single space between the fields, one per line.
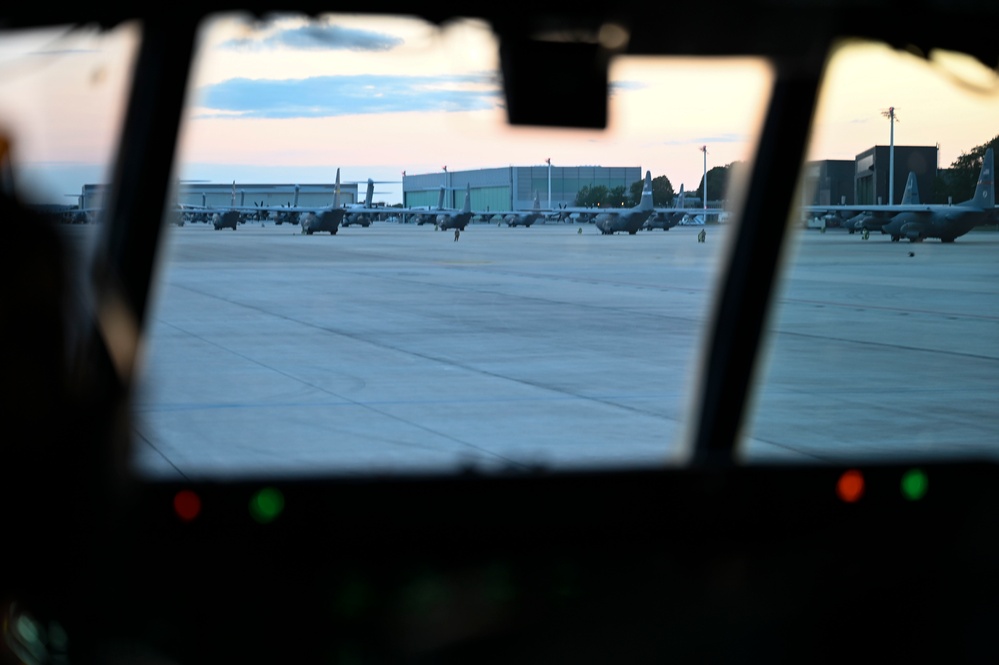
x=62 y=102
x=881 y=342
x=285 y=343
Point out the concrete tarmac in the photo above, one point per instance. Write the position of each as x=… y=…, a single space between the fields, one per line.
x=393 y=349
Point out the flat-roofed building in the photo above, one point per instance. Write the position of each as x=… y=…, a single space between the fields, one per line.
x=220 y=195
x=513 y=187
x=872 y=169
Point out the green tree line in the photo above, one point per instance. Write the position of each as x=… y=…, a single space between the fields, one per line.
x=958 y=182
x=663 y=194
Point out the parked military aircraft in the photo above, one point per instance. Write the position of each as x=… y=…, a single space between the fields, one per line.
x=610 y=221
x=520 y=217
x=323 y=219
x=948 y=222
x=871 y=218
x=221 y=218
x=361 y=214
x=916 y=222
x=312 y=219
x=439 y=216
x=667 y=218
x=694 y=216
x=281 y=214
x=227 y=219
x=423 y=215
x=456 y=219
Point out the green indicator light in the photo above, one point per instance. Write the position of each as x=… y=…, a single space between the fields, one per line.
x=266 y=505
x=914 y=484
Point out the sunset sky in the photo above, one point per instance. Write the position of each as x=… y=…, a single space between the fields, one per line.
x=290 y=102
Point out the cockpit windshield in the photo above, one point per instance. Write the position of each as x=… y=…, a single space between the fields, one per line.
x=367 y=270
x=881 y=341
x=555 y=325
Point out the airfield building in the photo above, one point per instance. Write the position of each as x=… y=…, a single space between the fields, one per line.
x=215 y=195
x=874 y=165
x=830 y=181
x=513 y=187
x=864 y=180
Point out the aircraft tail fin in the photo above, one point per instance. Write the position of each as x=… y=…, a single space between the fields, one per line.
x=336 y=190
x=468 y=199
x=369 y=195
x=985 y=192
x=295 y=204
x=646 y=202
x=233 y=202
x=440 y=200
x=911 y=194
x=680 y=198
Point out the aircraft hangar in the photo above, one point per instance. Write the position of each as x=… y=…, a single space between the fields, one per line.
x=864 y=180
x=513 y=187
x=502 y=188
x=219 y=195
x=874 y=165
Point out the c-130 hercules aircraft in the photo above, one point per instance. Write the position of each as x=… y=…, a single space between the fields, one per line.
x=322 y=218
x=610 y=221
x=917 y=221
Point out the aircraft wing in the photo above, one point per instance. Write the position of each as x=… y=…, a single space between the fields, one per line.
x=924 y=207
x=526 y=211
x=910 y=203
x=582 y=210
x=272 y=208
x=364 y=210
x=671 y=217
x=692 y=211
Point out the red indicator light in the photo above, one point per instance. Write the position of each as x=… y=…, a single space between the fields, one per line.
x=187 y=505
x=850 y=486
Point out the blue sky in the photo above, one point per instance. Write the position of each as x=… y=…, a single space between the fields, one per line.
x=327 y=96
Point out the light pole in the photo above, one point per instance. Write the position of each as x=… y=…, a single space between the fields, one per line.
x=890 y=114
x=549 y=162
x=704 y=190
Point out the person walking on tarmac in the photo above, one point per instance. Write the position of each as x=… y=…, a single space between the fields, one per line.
x=457 y=232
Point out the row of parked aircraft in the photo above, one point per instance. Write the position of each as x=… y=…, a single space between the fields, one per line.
x=330 y=218
x=917 y=221
x=910 y=219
